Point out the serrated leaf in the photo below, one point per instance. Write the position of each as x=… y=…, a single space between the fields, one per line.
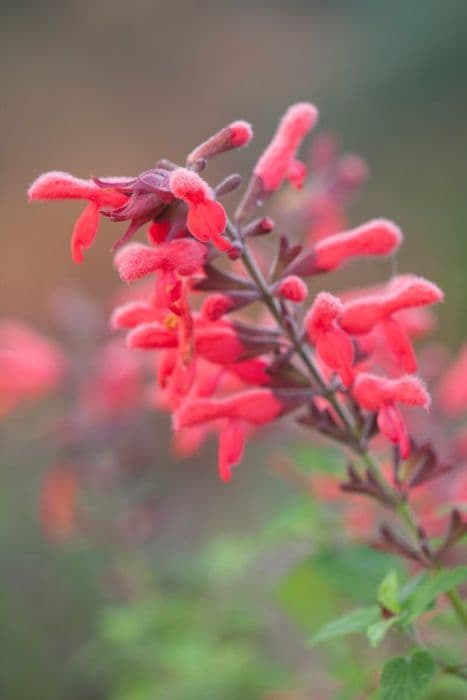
x=388 y=593
x=407 y=679
x=353 y=622
x=376 y=632
x=431 y=587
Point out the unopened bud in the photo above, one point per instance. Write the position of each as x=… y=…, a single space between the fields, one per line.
x=234 y=135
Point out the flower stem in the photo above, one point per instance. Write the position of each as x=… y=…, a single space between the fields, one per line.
x=393 y=498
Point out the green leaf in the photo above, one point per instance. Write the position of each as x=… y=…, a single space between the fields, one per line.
x=431 y=587
x=376 y=632
x=355 y=621
x=388 y=593
x=409 y=587
x=407 y=679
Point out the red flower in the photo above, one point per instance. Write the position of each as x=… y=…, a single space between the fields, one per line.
x=279 y=159
x=380 y=394
x=253 y=407
x=60 y=185
x=206 y=218
x=376 y=237
x=183 y=256
x=333 y=345
x=361 y=315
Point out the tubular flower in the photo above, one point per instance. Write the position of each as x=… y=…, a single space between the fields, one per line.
x=219 y=371
x=60 y=185
x=254 y=407
x=235 y=135
x=136 y=260
x=279 y=159
x=376 y=237
x=220 y=343
x=361 y=315
x=206 y=218
x=333 y=345
x=380 y=394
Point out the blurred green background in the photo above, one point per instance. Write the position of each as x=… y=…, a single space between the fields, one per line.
x=107 y=87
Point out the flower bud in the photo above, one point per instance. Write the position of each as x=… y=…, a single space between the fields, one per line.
x=292 y=288
x=235 y=135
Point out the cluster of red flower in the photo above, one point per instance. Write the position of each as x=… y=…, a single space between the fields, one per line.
x=347 y=361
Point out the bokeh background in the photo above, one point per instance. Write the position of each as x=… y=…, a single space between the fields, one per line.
x=107 y=87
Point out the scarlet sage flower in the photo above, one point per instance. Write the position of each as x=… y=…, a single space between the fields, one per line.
x=362 y=314
x=206 y=218
x=333 y=345
x=279 y=159
x=252 y=407
x=59 y=185
x=380 y=394
x=183 y=256
x=375 y=238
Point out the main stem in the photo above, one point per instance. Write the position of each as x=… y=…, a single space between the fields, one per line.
x=398 y=504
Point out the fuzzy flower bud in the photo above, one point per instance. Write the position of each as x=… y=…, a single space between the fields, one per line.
x=258 y=227
x=235 y=135
x=292 y=288
x=217 y=305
